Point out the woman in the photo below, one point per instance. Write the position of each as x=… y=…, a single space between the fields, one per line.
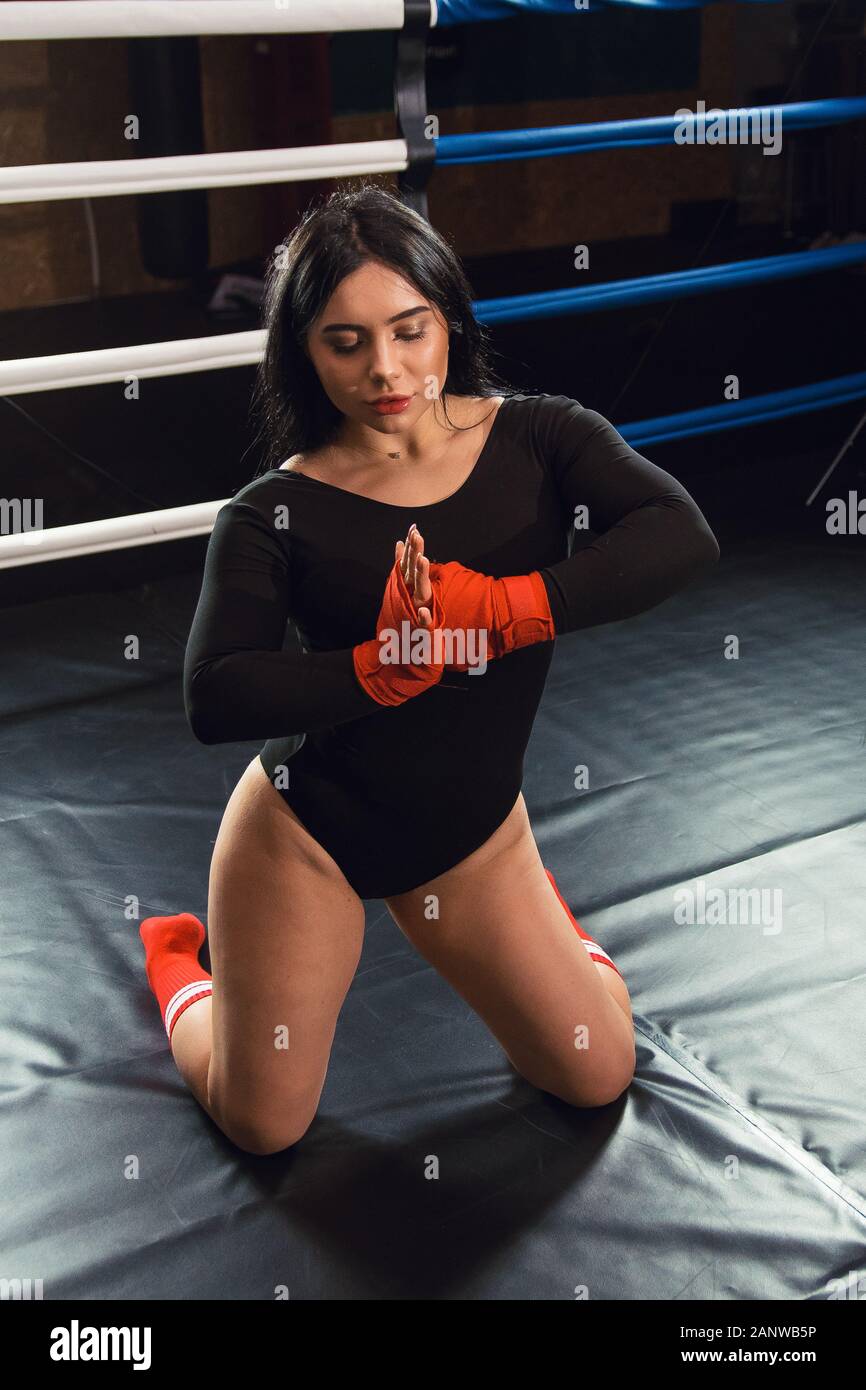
x=394 y=771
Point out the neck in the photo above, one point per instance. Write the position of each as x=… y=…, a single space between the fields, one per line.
x=425 y=440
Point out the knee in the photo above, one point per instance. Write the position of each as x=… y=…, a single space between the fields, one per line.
x=585 y=1087
x=604 y=1089
x=602 y=1095
x=264 y=1137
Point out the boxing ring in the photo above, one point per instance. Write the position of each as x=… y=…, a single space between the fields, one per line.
x=733 y=1169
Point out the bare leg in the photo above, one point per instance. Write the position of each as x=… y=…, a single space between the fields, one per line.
x=505 y=943
x=285 y=932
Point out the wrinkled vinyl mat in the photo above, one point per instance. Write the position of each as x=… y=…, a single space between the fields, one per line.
x=717 y=852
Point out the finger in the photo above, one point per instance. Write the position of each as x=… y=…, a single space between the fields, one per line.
x=423 y=587
x=413 y=554
x=406 y=553
x=420 y=542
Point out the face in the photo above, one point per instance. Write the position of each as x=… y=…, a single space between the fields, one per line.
x=377 y=335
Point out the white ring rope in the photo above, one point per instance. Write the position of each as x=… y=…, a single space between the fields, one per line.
x=105 y=19
x=23 y=374
x=108 y=178
x=102 y=178
x=28 y=547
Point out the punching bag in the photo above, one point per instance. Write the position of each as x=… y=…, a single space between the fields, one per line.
x=165 y=87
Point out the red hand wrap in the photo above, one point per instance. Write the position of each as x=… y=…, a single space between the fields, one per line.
x=390 y=682
x=513 y=612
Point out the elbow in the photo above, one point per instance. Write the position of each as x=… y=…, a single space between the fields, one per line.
x=199 y=722
x=710 y=553
x=693 y=554
x=202 y=706
x=703 y=550
x=202 y=732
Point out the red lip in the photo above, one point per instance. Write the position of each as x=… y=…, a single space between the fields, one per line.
x=388 y=400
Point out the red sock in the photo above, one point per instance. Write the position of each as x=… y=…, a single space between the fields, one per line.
x=171 y=947
x=596 y=952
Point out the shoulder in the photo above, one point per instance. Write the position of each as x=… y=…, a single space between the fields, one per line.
x=572 y=441
x=549 y=419
x=553 y=408
x=561 y=422
x=316 y=464
x=296 y=461
x=256 y=503
x=546 y=408
x=470 y=406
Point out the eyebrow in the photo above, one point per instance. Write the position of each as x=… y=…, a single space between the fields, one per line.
x=359 y=327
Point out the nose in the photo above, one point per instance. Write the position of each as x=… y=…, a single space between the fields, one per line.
x=384 y=361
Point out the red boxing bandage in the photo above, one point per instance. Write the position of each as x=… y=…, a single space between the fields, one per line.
x=512 y=612
x=399 y=661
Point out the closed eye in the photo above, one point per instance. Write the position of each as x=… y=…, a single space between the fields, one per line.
x=404 y=337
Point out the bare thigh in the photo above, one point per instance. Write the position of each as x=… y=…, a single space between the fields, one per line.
x=495 y=929
x=285 y=931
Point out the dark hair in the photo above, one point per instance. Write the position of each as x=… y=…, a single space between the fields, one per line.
x=351 y=228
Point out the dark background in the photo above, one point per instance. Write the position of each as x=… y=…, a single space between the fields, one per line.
x=135 y=270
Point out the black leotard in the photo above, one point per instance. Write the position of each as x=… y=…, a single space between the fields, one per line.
x=399 y=794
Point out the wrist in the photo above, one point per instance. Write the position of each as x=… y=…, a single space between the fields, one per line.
x=389 y=680
x=523 y=615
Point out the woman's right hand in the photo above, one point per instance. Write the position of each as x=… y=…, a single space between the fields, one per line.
x=409 y=598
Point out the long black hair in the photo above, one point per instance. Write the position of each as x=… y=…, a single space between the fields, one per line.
x=352 y=227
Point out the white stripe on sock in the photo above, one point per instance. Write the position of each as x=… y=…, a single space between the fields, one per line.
x=599 y=950
x=178 y=998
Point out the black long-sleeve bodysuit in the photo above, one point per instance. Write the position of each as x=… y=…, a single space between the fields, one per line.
x=398 y=794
